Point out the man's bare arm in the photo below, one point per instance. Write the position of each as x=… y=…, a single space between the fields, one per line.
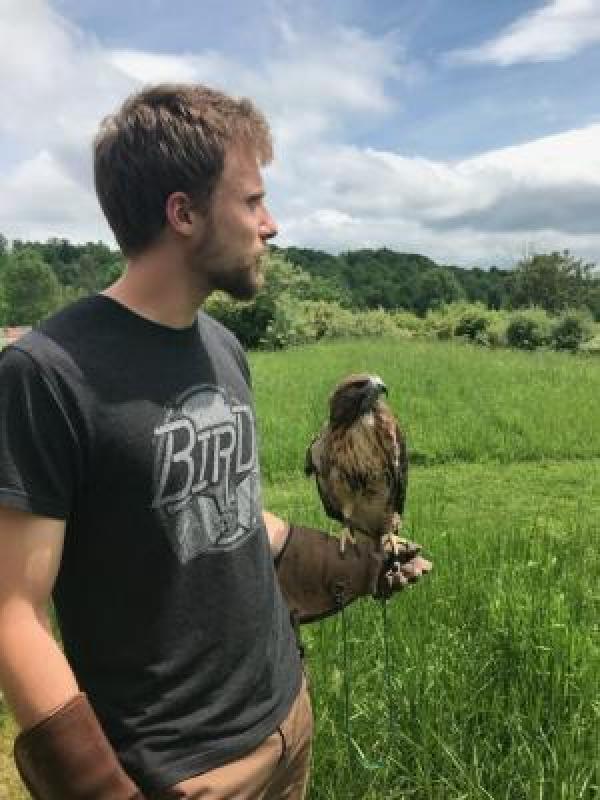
x=278 y=530
x=34 y=674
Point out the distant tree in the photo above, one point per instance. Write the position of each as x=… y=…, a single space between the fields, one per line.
x=249 y=321
x=437 y=287
x=282 y=275
x=31 y=289
x=553 y=281
x=3 y=305
x=593 y=299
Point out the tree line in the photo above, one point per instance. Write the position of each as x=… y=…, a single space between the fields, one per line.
x=37 y=278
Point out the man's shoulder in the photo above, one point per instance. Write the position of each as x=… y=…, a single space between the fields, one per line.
x=47 y=344
x=227 y=338
x=220 y=331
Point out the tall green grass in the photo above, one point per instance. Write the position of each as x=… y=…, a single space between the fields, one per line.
x=457 y=402
x=495 y=657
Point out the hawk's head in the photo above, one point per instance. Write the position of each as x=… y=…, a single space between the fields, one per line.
x=354 y=396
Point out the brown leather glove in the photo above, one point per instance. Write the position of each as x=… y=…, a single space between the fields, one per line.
x=316 y=580
x=67 y=757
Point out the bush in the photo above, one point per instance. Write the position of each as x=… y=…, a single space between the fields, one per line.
x=496 y=331
x=571 y=331
x=470 y=320
x=249 y=321
x=473 y=326
x=527 y=331
x=374 y=323
x=408 y=323
x=591 y=347
x=288 y=326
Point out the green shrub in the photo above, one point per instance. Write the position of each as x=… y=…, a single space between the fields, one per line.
x=570 y=331
x=328 y=320
x=459 y=319
x=473 y=326
x=407 y=322
x=496 y=331
x=249 y=321
x=374 y=323
x=591 y=347
x=528 y=330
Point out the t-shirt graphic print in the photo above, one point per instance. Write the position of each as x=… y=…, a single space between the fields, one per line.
x=206 y=472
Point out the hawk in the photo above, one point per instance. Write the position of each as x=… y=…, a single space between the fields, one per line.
x=360 y=462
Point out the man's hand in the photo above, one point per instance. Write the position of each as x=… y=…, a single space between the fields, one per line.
x=403 y=575
x=317 y=580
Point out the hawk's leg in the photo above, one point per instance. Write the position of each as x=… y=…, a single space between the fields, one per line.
x=397 y=549
x=346 y=536
x=391 y=543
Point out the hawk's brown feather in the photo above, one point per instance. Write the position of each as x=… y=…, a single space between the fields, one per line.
x=360 y=459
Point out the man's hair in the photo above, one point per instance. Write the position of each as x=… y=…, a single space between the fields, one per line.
x=164 y=139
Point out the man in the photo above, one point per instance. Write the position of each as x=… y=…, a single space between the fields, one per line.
x=129 y=490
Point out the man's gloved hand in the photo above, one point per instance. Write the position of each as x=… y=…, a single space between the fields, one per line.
x=317 y=580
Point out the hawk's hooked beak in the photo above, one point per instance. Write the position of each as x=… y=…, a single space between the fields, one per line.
x=377 y=385
x=375 y=388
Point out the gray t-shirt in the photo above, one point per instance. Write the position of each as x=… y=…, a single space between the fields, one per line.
x=143 y=439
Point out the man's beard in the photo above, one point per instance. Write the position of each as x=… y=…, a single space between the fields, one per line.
x=242 y=281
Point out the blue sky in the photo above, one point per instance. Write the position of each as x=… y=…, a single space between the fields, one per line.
x=468 y=131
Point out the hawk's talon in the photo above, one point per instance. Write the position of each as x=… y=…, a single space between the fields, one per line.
x=346 y=536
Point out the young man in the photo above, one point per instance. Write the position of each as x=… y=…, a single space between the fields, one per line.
x=130 y=492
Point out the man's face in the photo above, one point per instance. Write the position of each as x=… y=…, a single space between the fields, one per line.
x=238 y=228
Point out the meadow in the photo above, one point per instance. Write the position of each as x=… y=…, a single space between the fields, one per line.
x=492 y=686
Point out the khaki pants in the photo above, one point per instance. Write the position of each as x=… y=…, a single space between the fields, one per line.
x=277 y=769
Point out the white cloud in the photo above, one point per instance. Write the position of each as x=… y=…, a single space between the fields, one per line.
x=483 y=208
x=143 y=67
x=59 y=82
x=39 y=200
x=325 y=192
x=325 y=79
x=373 y=183
x=556 y=31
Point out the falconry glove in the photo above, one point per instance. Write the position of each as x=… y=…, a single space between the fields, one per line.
x=317 y=580
x=67 y=757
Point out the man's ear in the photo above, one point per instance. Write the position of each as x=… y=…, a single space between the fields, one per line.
x=181 y=214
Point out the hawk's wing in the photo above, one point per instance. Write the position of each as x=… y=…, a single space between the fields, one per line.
x=316 y=462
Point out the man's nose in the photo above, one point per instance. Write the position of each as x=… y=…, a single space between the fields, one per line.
x=268 y=227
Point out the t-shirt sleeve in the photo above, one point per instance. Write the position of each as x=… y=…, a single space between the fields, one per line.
x=234 y=346
x=38 y=447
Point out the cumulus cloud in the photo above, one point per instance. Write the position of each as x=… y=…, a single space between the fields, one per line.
x=482 y=208
x=58 y=82
x=325 y=192
x=315 y=82
x=39 y=199
x=556 y=31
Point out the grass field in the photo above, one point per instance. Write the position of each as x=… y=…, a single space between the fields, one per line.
x=495 y=658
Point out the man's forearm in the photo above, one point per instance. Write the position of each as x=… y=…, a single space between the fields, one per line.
x=34 y=673
x=62 y=752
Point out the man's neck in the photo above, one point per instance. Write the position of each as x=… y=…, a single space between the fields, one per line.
x=158 y=286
